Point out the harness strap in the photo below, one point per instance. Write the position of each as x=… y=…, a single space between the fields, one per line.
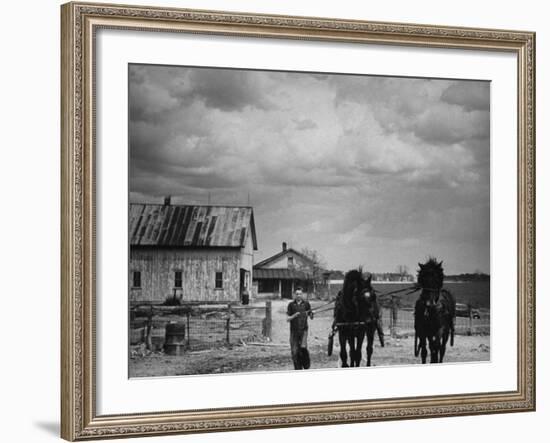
x=353 y=323
x=385 y=294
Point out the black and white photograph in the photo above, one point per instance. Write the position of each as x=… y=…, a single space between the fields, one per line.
x=283 y=221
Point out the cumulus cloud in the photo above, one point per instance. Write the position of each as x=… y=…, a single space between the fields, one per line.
x=344 y=164
x=472 y=96
x=228 y=90
x=305 y=124
x=442 y=124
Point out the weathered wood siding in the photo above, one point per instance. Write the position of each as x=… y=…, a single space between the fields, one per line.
x=247 y=262
x=198 y=267
x=247 y=254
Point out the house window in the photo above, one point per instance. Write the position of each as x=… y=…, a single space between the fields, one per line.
x=219 y=280
x=136 y=279
x=290 y=262
x=178 y=279
x=268 y=286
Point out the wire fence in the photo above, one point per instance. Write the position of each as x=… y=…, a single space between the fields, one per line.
x=197 y=327
x=178 y=329
x=400 y=322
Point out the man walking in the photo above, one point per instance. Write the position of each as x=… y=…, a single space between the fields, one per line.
x=298 y=312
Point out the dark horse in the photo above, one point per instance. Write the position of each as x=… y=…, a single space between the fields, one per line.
x=355 y=315
x=434 y=313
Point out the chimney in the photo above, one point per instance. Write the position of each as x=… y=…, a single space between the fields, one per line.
x=284 y=246
x=167 y=200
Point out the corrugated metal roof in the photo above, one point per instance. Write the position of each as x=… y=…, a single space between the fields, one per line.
x=191 y=225
x=279 y=274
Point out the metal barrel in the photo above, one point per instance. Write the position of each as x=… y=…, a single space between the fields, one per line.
x=175 y=343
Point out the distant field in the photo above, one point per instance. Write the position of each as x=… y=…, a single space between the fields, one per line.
x=478 y=294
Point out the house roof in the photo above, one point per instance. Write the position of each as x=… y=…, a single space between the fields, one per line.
x=279 y=255
x=279 y=274
x=191 y=225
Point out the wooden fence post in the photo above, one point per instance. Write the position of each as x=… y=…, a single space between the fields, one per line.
x=267 y=331
x=188 y=328
x=394 y=314
x=148 y=337
x=228 y=321
x=390 y=312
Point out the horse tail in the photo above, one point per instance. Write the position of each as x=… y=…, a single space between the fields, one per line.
x=416 y=347
x=451 y=307
x=330 y=343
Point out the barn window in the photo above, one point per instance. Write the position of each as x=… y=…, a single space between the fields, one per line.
x=219 y=280
x=136 y=279
x=290 y=262
x=178 y=279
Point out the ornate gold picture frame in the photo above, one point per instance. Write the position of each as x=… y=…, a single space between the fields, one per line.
x=80 y=23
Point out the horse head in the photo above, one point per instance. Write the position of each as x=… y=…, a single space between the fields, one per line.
x=430 y=279
x=351 y=301
x=368 y=303
x=353 y=284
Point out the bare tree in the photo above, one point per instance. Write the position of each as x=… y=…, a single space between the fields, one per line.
x=402 y=270
x=317 y=267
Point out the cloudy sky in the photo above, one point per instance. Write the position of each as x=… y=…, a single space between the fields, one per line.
x=372 y=171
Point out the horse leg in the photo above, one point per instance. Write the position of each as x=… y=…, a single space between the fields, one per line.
x=370 y=342
x=423 y=350
x=352 y=350
x=343 y=353
x=452 y=327
x=433 y=341
x=359 y=345
x=443 y=345
x=380 y=331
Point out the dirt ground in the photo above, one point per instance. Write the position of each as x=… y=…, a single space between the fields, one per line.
x=275 y=355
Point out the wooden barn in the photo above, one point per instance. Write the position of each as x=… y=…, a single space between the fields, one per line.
x=279 y=275
x=190 y=252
